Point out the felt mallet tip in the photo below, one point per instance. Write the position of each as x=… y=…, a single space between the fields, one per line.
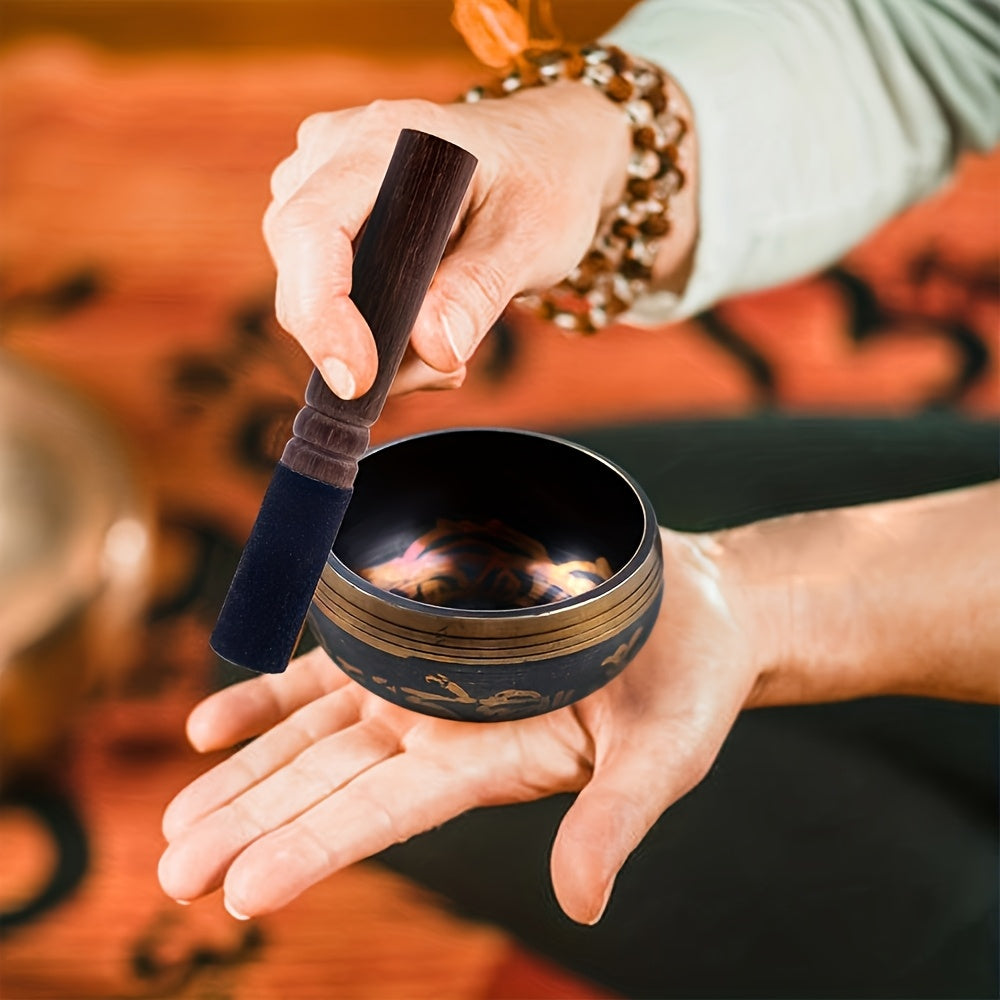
x=262 y=617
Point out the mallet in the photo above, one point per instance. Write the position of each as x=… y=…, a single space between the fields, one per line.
x=401 y=246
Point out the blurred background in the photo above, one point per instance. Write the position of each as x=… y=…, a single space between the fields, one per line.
x=146 y=391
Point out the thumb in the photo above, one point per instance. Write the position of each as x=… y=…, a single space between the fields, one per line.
x=472 y=287
x=628 y=793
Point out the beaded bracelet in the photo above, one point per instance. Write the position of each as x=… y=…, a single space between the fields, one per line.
x=618 y=267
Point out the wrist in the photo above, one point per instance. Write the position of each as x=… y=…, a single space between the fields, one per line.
x=586 y=125
x=898 y=597
x=591 y=125
x=641 y=239
x=890 y=598
x=675 y=256
x=762 y=605
x=795 y=586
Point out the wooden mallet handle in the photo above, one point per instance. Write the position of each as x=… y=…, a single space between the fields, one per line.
x=401 y=246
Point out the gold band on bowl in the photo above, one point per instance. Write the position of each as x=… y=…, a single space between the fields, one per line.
x=448 y=636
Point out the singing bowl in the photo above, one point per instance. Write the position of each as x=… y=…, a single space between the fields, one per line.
x=489 y=574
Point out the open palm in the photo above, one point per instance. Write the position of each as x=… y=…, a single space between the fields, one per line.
x=336 y=774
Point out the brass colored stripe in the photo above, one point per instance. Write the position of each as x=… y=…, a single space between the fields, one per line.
x=502 y=634
x=340 y=591
x=480 y=657
x=557 y=640
x=485 y=651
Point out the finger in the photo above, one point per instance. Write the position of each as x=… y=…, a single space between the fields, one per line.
x=310 y=238
x=390 y=803
x=414 y=374
x=239 y=712
x=631 y=788
x=195 y=863
x=472 y=287
x=276 y=748
x=288 y=176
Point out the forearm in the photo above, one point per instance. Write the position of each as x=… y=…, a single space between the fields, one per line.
x=893 y=598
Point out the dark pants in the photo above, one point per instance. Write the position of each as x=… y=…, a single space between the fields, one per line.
x=844 y=850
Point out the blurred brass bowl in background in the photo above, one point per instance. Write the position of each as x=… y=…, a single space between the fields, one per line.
x=75 y=551
x=489 y=574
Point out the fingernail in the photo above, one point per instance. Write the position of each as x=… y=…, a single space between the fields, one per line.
x=232 y=911
x=338 y=376
x=183 y=902
x=604 y=906
x=461 y=351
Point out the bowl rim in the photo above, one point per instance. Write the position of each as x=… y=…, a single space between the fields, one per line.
x=650 y=529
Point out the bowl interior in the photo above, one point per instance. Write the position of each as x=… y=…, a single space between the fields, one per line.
x=488 y=520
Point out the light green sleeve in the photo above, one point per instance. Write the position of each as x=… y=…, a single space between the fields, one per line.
x=817 y=120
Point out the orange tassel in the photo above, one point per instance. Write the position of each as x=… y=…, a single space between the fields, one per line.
x=494 y=31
